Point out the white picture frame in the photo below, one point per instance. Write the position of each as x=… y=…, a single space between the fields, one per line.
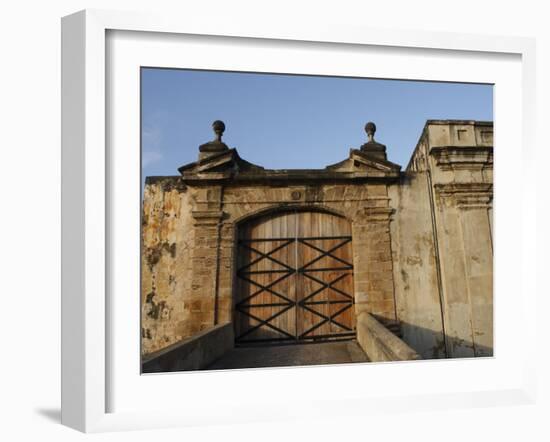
x=87 y=198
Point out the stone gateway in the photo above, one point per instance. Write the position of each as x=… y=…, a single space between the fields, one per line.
x=398 y=261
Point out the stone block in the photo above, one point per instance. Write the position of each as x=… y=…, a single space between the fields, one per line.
x=383 y=285
x=379 y=343
x=196 y=306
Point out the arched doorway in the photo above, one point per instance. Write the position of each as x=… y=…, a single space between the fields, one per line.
x=294 y=279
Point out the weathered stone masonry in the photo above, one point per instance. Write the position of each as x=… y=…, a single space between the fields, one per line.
x=422 y=250
x=443 y=241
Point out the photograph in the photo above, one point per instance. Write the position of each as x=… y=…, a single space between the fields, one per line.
x=298 y=220
x=233 y=221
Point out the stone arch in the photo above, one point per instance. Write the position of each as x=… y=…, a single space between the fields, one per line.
x=282 y=208
x=227 y=249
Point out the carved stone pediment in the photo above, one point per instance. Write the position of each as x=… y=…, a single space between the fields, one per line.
x=361 y=162
x=222 y=165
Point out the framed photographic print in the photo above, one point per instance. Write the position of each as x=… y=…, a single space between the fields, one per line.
x=261 y=222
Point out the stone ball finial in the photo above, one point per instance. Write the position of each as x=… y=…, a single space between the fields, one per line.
x=219 y=129
x=216 y=145
x=370 y=129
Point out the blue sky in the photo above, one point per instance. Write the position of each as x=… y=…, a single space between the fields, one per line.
x=292 y=122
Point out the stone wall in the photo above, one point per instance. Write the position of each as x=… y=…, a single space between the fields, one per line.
x=189 y=244
x=456 y=158
x=416 y=267
x=380 y=344
x=166 y=296
x=194 y=353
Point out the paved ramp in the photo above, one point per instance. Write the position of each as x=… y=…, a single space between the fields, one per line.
x=291 y=355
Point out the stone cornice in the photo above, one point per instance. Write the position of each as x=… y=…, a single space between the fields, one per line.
x=289 y=177
x=463 y=157
x=167 y=183
x=465 y=196
x=373 y=214
x=228 y=167
x=207 y=217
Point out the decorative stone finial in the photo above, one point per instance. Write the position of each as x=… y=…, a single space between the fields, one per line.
x=215 y=146
x=219 y=129
x=371 y=147
x=370 y=129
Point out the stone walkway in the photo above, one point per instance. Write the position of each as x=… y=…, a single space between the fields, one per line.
x=291 y=355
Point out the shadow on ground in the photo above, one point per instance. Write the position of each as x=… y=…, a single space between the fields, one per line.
x=51 y=414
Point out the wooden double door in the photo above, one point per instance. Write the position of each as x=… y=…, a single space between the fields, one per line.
x=294 y=279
